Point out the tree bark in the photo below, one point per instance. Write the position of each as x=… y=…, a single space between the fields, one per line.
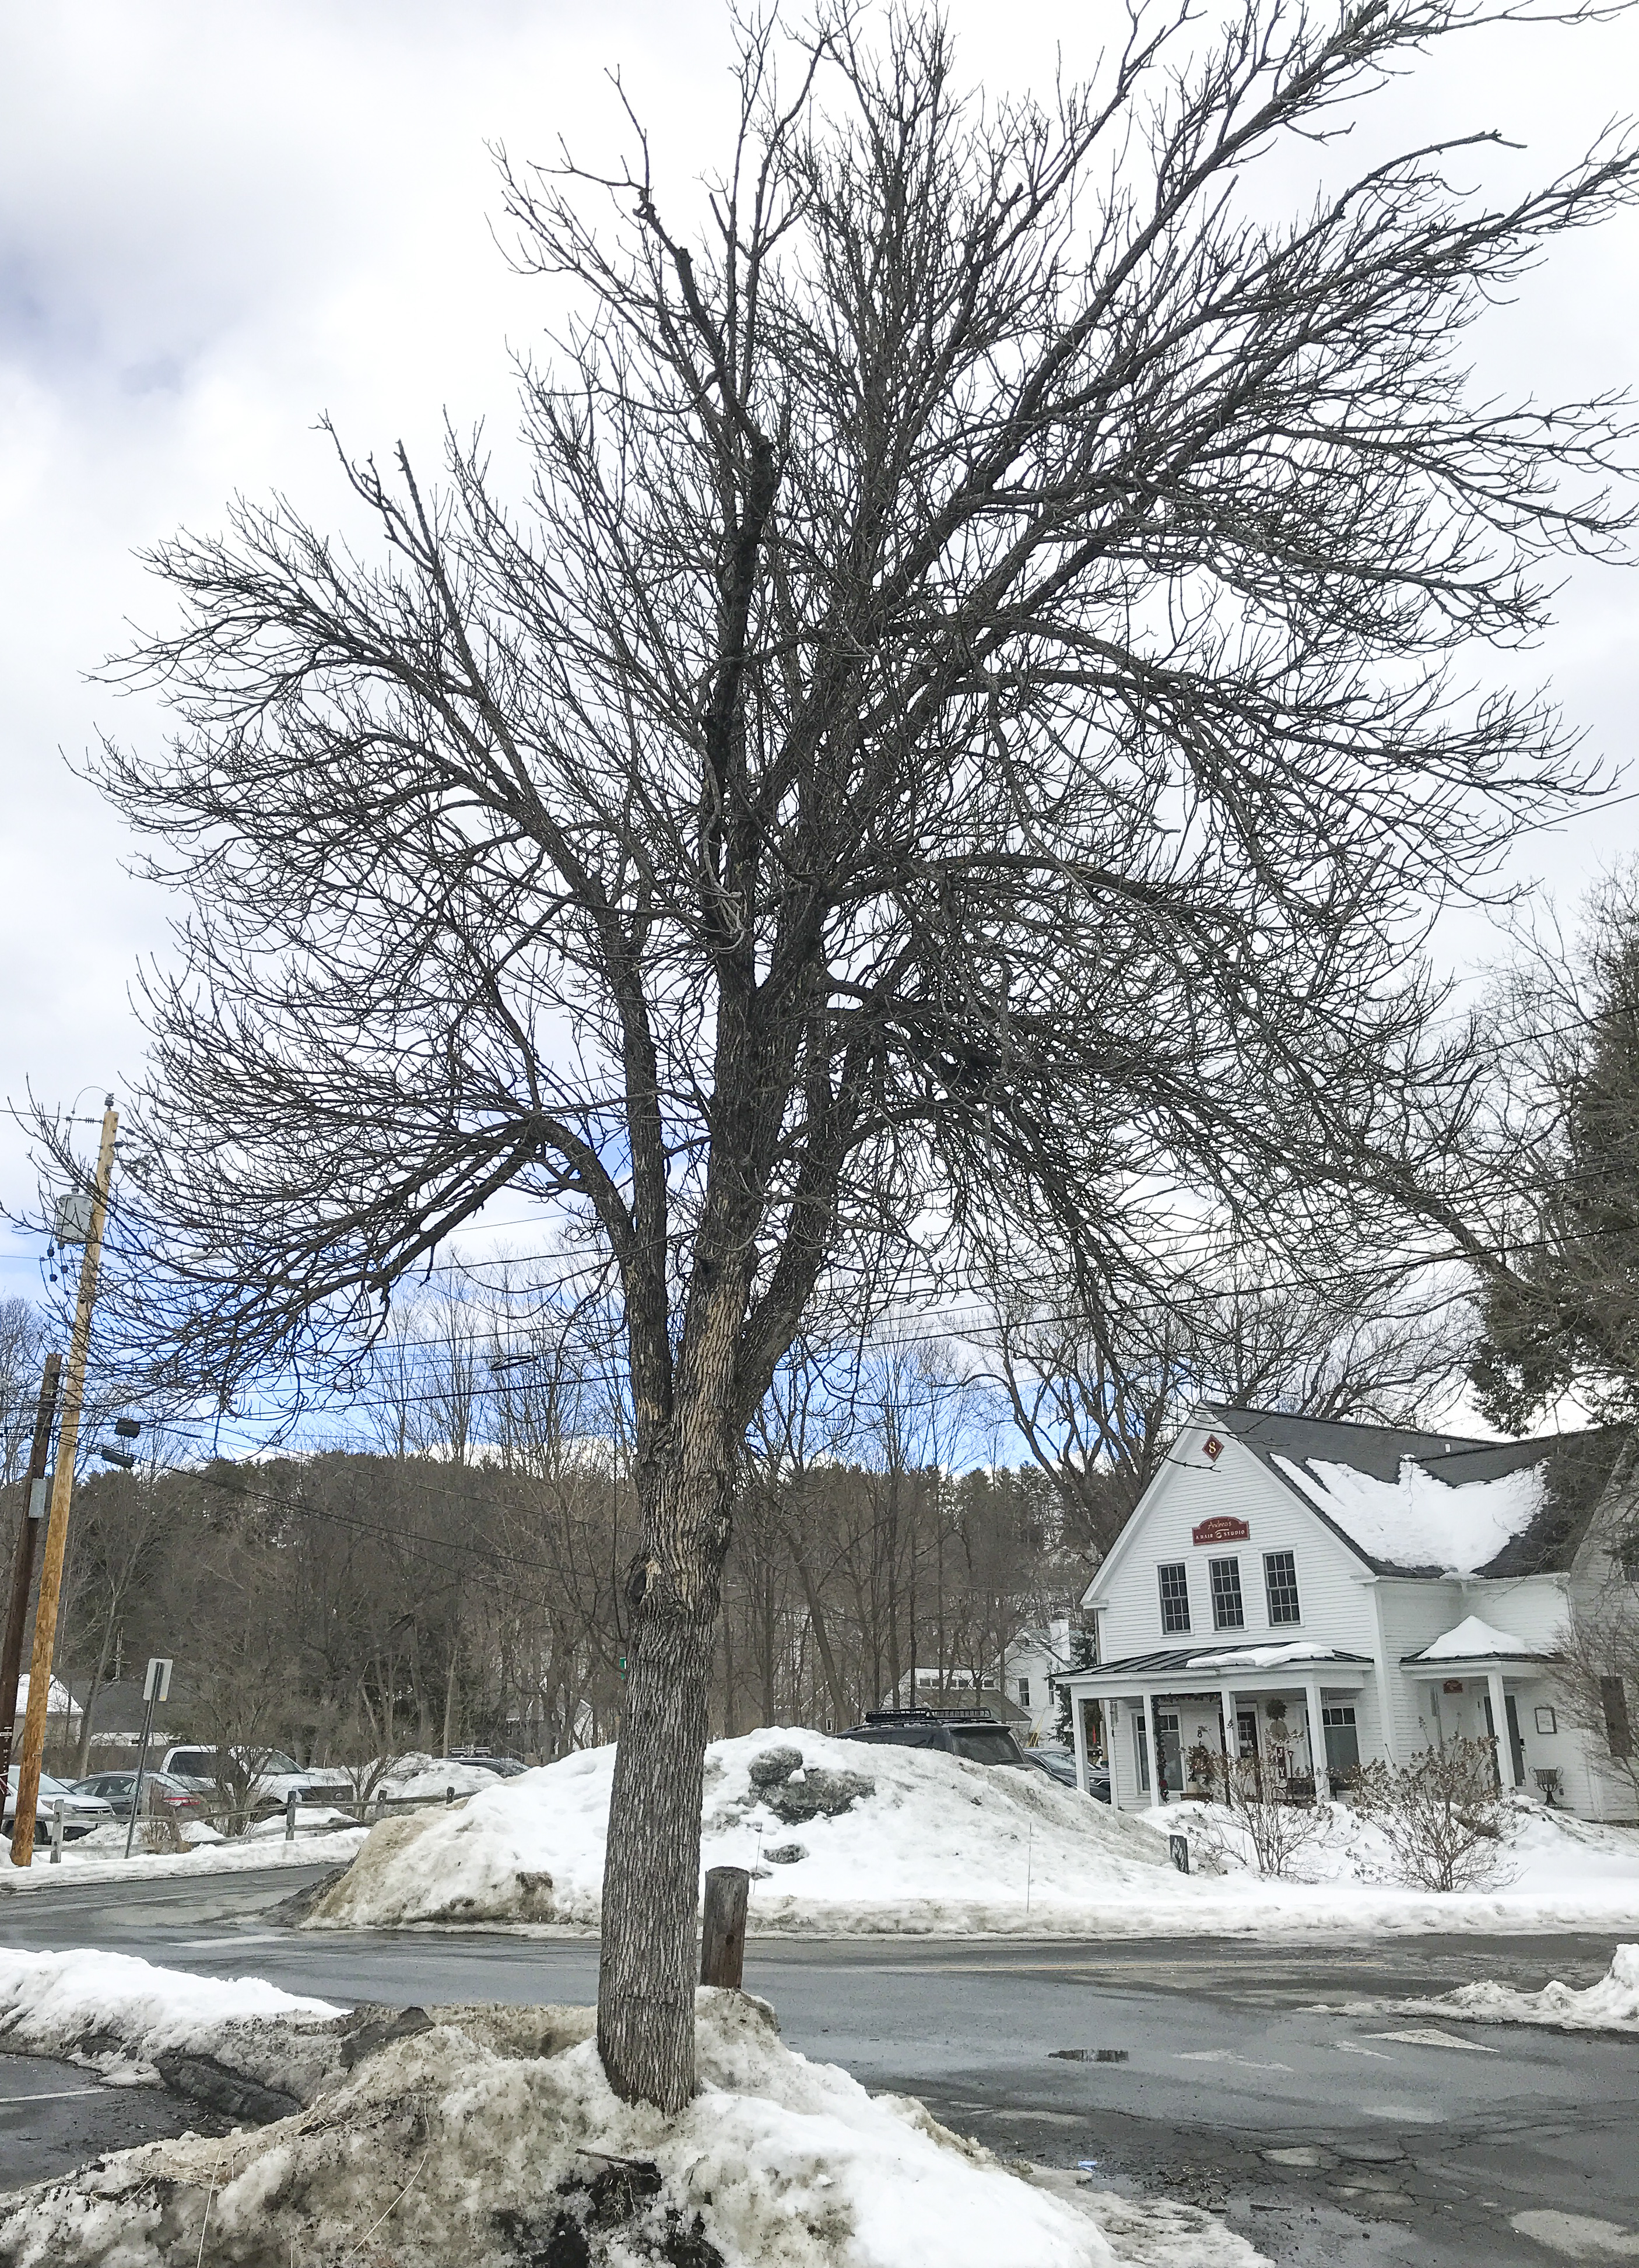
x=652 y=1867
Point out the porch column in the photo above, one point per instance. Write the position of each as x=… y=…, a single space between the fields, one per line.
x=1316 y=1741
x=1157 y=1790
x=1231 y=1733
x=1112 y=1748
x=1499 y=1725
x=1078 y=1737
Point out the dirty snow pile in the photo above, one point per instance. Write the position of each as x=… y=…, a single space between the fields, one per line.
x=841 y=1836
x=1610 y=2005
x=490 y=2136
x=124 y=2019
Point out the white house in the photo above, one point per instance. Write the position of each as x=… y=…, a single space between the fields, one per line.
x=1316 y=1593
x=1035 y=1661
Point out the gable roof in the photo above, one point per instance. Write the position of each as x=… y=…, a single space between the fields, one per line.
x=1414 y=1503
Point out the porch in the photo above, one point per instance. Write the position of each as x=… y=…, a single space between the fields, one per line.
x=1296 y=1711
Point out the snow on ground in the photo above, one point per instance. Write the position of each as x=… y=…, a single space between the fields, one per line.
x=422 y=1777
x=911 y=1841
x=117 y=2015
x=1610 y=2005
x=851 y=1836
x=491 y=2136
x=1541 y=1854
x=99 y=1856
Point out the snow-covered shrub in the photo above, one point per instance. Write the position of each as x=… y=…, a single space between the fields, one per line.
x=1441 y=1814
x=1261 y=1824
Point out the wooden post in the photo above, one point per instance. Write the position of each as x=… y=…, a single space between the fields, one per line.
x=57 y=1529
x=722 y=1931
x=23 y=1563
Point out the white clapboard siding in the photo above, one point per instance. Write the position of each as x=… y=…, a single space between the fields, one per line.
x=1333 y=1582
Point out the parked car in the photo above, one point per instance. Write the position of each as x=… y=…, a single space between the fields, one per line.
x=1060 y=1764
x=274 y=1776
x=970 y=1733
x=82 y=1814
x=162 y=1790
x=503 y=1767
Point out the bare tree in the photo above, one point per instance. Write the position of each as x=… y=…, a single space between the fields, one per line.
x=952 y=747
x=24 y=1339
x=1098 y=1392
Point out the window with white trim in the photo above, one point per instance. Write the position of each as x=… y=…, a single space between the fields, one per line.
x=1280 y=1587
x=1229 y=1611
x=1175 y=1595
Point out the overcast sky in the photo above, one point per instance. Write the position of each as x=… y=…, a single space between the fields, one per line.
x=216 y=222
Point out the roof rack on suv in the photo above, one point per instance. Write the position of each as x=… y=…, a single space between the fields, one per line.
x=930 y=1717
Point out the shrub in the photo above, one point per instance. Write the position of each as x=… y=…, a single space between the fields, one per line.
x=1441 y=1814
x=1260 y=1822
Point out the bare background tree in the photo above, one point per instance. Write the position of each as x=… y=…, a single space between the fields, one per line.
x=24 y=1336
x=958 y=744
x=1099 y=1397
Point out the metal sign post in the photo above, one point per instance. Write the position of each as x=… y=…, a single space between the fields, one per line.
x=156 y=1685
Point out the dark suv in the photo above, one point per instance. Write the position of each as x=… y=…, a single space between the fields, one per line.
x=970 y=1733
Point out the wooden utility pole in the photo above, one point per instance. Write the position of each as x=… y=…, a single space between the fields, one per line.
x=57 y=1530
x=28 y=1529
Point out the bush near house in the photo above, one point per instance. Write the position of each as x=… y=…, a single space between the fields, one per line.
x=1440 y=1814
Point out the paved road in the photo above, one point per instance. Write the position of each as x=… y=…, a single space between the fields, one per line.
x=1309 y=2133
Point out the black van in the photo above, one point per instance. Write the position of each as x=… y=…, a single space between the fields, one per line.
x=970 y=1733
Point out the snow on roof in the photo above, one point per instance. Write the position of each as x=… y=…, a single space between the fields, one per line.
x=1472 y=1641
x=1263 y=1657
x=1419 y=1520
x=59 y=1701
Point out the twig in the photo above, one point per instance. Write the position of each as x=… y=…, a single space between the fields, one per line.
x=391 y=2209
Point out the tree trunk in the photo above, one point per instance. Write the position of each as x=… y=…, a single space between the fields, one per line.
x=652 y=1863
x=450 y=1700
x=652 y=1867
x=93 y=1687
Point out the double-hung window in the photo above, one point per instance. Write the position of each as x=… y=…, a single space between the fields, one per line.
x=1280 y=1587
x=1175 y=1595
x=1228 y=1611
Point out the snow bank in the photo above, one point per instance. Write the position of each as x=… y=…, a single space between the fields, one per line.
x=421 y=1777
x=99 y=1856
x=1610 y=2005
x=1419 y=1520
x=460 y=2141
x=850 y=1837
x=942 y=1847
x=118 y=2015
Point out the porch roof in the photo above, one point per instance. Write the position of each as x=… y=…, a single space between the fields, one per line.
x=1212 y=1666
x=1474 y=1641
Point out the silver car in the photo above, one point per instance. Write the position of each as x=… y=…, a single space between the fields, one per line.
x=82 y=1814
